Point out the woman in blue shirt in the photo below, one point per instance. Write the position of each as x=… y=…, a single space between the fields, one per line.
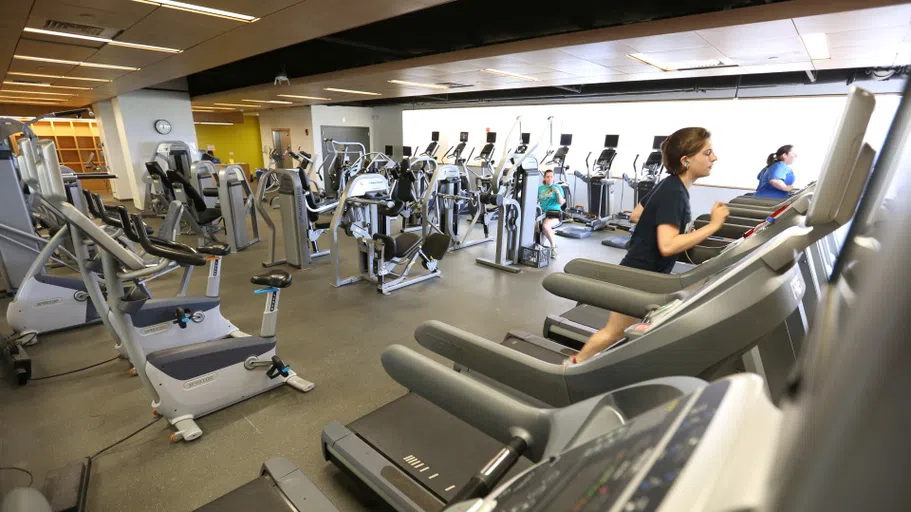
x=551 y=199
x=777 y=179
x=660 y=233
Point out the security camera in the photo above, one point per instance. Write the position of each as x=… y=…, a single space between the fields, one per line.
x=281 y=79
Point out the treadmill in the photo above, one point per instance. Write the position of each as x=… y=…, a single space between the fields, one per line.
x=280 y=486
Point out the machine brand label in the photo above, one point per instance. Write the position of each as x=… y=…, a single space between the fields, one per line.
x=797 y=286
x=48 y=302
x=155 y=329
x=200 y=381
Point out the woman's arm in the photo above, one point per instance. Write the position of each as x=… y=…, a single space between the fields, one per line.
x=780 y=185
x=637 y=212
x=560 y=198
x=671 y=242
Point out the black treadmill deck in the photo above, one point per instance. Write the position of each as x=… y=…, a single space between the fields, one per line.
x=438 y=450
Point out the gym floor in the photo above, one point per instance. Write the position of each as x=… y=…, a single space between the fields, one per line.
x=330 y=336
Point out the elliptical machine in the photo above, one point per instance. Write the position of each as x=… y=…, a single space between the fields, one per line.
x=641 y=185
x=600 y=193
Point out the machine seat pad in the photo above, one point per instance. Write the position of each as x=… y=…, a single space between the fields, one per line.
x=209 y=215
x=210 y=192
x=323 y=222
x=399 y=246
x=273 y=278
x=436 y=245
x=191 y=361
x=393 y=211
x=215 y=249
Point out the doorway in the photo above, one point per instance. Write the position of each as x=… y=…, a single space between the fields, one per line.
x=281 y=142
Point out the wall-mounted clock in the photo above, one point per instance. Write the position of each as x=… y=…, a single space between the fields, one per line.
x=162 y=126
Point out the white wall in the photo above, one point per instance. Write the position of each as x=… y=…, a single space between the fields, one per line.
x=113 y=149
x=325 y=115
x=297 y=119
x=135 y=114
x=744 y=132
x=387 y=128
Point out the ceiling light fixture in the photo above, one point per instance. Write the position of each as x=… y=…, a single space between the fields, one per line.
x=211 y=108
x=645 y=59
x=33 y=84
x=418 y=84
x=43 y=93
x=350 y=91
x=102 y=40
x=39 y=75
x=817 y=45
x=276 y=102
x=198 y=9
x=317 y=98
x=215 y=123
x=20 y=99
x=74 y=63
x=511 y=75
x=236 y=105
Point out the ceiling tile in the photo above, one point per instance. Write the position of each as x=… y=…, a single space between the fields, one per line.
x=637 y=67
x=892 y=16
x=258 y=8
x=753 y=33
x=600 y=51
x=873 y=55
x=54 y=50
x=887 y=36
x=109 y=74
x=176 y=29
x=46 y=68
x=582 y=68
x=115 y=14
x=677 y=58
x=756 y=49
x=763 y=60
x=666 y=42
x=121 y=56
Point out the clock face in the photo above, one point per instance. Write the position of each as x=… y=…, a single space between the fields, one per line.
x=163 y=127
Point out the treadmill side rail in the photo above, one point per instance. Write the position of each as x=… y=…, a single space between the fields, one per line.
x=612 y=297
x=654 y=282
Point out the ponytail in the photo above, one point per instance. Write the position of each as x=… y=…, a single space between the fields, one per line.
x=771 y=159
x=776 y=156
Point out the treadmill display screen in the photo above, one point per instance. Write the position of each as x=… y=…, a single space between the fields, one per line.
x=388 y=151
x=434 y=136
x=656 y=143
x=406 y=150
x=566 y=139
x=525 y=138
x=463 y=137
x=611 y=141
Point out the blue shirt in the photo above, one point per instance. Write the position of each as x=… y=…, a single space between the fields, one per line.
x=777 y=171
x=667 y=203
x=549 y=197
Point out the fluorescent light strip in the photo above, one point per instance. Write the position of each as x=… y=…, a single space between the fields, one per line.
x=20 y=99
x=350 y=91
x=317 y=98
x=275 y=102
x=29 y=84
x=512 y=75
x=417 y=84
x=817 y=46
x=2 y=91
x=102 y=40
x=198 y=9
x=644 y=59
x=236 y=105
x=74 y=63
x=211 y=108
x=38 y=75
x=213 y=123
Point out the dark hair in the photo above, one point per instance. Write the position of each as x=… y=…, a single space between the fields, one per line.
x=683 y=142
x=776 y=156
x=548 y=171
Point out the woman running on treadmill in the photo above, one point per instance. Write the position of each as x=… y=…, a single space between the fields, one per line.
x=660 y=233
x=777 y=178
x=551 y=199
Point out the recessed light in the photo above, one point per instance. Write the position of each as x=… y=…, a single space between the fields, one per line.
x=276 y=102
x=216 y=123
x=60 y=77
x=317 y=98
x=512 y=75
x=236 y=105
x=43 y=93
x=417 y=84
x=74 y=63
x=817 y=46
x=198 y=9
x=102 y=40
x=350 y=91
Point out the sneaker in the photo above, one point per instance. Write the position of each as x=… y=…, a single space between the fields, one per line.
x=553 y=252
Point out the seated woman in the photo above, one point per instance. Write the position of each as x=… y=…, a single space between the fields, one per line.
x=660 y=232
x=550 y=197
x=776 y=180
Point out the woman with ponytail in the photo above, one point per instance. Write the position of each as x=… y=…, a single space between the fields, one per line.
x=776 y=180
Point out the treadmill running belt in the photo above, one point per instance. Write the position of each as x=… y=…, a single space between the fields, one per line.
x=588 y=315
x=443 y=451
x=536 y=351
x=259 y=494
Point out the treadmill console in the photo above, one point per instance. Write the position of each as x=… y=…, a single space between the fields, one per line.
x=634 y=465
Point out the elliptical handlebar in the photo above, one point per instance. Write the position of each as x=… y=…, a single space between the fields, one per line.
x=178 y=253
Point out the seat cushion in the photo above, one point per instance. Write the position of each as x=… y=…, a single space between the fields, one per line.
x=405 y=242
x=215 y=249
x=273 y=278
x=209 y=215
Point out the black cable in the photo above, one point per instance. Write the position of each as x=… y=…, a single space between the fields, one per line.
x=99 y=452
x=77 y=370
x=27 y=472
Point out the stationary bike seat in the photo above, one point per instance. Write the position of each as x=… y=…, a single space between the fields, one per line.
x=273 y=278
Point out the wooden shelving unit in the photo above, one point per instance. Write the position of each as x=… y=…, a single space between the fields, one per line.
x=76 y=141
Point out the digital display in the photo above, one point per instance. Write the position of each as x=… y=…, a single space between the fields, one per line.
x=566 y=139
x=611 y=141
x=388 y=151
x=525 y=138
x=463 y=137
x=656 y=144
x=434 y=136
x=491 y=137
x=406 y=151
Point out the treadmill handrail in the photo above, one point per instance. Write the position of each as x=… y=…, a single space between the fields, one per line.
x=612 y=297
x=654 y=282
